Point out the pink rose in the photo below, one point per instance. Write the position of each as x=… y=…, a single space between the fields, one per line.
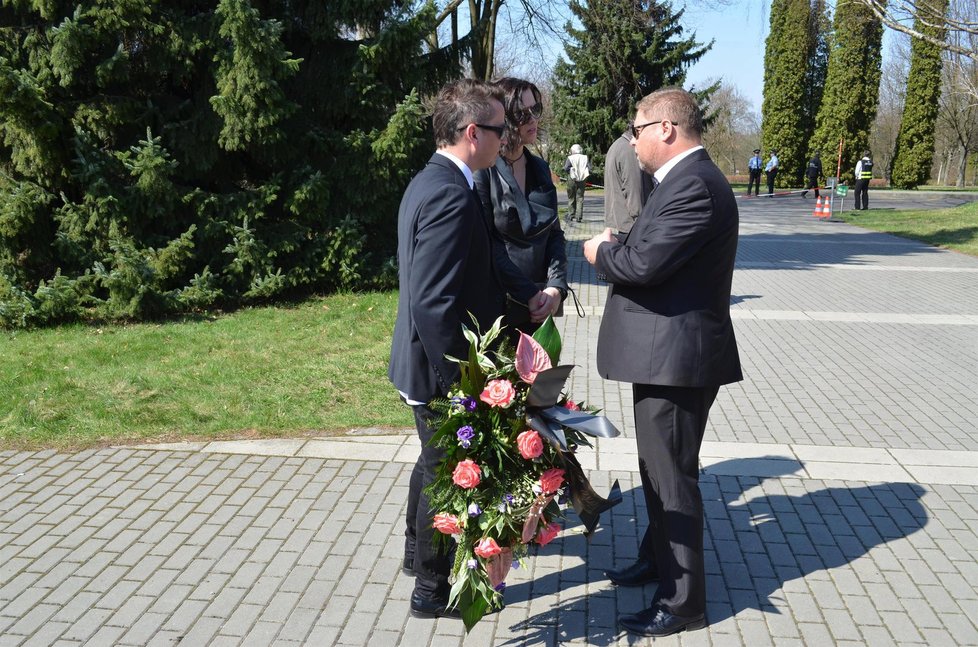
x=467 y=474
x=498 y=393
x=551 y=480
x=531 y=358
x=487 y=547
x=529 y=444
x=548 y=533
x=446 y=523
x=571 y=406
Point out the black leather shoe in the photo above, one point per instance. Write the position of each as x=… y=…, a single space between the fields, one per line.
x=422 y=607
x=658 y=622
x=638 y=574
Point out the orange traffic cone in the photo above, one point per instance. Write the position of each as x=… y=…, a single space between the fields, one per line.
x=818 y=208
x=826 y=210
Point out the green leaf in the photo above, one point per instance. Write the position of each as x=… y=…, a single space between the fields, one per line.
x=548 y=336
x=473 y=612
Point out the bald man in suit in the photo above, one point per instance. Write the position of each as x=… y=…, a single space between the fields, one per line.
x=666 y=329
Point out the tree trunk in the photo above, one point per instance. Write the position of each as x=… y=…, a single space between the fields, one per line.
x=962 y=166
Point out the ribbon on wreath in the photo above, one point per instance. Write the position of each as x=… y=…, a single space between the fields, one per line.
x=549 y=420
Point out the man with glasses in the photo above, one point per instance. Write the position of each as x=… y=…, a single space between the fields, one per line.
x=444 y=255
x=666 y=329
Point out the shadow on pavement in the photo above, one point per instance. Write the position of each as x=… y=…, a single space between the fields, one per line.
x=756 y=543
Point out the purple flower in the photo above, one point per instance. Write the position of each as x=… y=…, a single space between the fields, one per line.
x=469 y=403
x=472 y=564
x=465 y=435
x=509 y=498
x=500 y=587
x=474 y=510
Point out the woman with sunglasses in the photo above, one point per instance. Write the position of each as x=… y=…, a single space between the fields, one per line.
x=520 y=202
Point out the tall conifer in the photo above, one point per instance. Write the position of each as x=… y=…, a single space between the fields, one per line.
x=623 y=51
x=794 y=72
x=159 y=157
x=852 y=86
x=914 y=153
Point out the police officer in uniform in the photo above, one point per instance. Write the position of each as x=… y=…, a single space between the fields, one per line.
x=864 y=173
x=813 y=172
x=754 y=165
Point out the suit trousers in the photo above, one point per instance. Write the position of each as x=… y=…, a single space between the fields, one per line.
x=432 y=564
x=770 y=181
x=754 y=181
x=669 y=426
x=862 y=194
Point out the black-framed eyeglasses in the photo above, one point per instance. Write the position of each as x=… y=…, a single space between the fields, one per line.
x=499 y=130
x=524 y=115
x=637 y=130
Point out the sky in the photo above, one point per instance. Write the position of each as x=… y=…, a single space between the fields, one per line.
x=737 y=56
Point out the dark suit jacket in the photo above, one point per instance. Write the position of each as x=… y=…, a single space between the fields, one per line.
x=445 y=271
x=667 y=318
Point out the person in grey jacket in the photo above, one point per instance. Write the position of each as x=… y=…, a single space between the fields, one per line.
x=626 y=185
x=520 y=200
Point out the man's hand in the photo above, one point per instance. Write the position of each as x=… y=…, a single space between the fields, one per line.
x=591 y=246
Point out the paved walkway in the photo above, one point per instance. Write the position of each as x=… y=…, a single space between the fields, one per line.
x=840 y=480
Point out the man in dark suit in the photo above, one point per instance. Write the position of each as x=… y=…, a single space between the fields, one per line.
x=444 y=255
x=667 y=330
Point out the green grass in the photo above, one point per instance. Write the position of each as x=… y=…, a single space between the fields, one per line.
x=955 y=228
x=316 y=368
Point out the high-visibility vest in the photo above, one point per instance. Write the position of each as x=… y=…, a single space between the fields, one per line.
x=867 y=170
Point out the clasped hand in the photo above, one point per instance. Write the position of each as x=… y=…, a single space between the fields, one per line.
x=543 y=304
x=591 y=246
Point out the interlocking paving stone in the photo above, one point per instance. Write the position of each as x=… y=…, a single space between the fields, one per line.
x=298 y=542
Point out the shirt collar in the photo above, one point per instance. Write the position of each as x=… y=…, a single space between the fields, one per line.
x=466 y=171
x=660 y=174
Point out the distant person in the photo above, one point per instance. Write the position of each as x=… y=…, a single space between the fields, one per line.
x=754 y=165
x=813 y=173
x=519 y=197
x=864 y=173
x=578 y=168
x=626 y=185
x=772 y=171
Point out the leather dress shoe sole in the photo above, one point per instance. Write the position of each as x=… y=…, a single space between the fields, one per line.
x=657 y=622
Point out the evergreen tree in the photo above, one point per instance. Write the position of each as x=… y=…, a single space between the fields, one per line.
x=852 y=86
x=914 y=155
x=624 y=50
x=159 y=157
x=794 y=73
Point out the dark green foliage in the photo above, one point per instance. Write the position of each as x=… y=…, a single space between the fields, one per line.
x=623 y=51
x=914 y=153
x=162 y=157
x=795 y=61
x=852 y=86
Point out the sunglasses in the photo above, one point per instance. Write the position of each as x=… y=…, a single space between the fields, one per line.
x=499 y=130
x=637 y=130
x=524 y=115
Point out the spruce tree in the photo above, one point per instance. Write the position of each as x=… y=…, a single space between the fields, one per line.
x=624 y=50
x=852 y=87
x=794 y=69
x=161 y=157
x=914 y=153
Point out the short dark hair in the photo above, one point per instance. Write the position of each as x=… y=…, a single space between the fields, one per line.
x=460 y=103
x=676 y=105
